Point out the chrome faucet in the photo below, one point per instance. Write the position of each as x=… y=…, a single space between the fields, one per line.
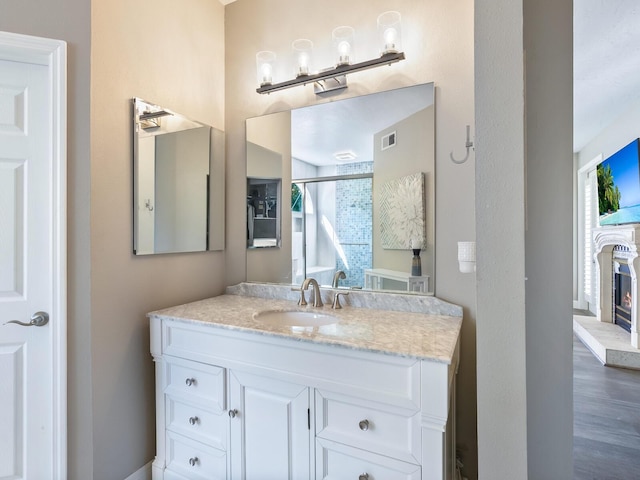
x=338 y=275
x=317 y=299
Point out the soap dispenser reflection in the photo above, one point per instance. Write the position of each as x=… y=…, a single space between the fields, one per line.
x=416 y=262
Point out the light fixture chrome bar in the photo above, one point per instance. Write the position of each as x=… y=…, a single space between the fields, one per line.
x=150 y=115
x=386 y=59
x=329 y=84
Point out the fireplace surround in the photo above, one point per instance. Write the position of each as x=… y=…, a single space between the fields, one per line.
x=616 y=246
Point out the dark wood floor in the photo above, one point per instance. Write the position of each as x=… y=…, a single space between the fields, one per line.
x=606 y=425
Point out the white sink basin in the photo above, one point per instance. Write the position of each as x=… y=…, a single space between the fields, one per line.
x=294 y=318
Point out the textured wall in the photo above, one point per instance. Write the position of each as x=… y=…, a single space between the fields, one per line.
x=172 y=56
x=548 y=43
x=523 y=58
x=500 y=218
x=70 y=20
x=438 y=42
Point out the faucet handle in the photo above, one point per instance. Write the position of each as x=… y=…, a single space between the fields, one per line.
x=336 y=300
x=301 y=301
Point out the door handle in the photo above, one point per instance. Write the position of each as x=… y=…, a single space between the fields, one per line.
x=38 y=319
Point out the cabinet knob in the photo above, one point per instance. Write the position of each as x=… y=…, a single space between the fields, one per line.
x=193 y=420
x=190 y=381
x=364 y=476
x=193 y=461
x=233 y=413
x=364 y=426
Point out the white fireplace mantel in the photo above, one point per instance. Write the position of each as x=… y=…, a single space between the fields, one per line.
x=605 y=240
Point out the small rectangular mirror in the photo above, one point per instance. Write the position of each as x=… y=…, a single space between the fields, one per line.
x=178 y=170
x=264 y=193
x=263 y=212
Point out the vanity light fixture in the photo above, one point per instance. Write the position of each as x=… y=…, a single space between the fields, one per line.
x=333 y=78
x=302 y=55
x=389 y=29
x=343 y=42
x=149 y=120
x=264 y=64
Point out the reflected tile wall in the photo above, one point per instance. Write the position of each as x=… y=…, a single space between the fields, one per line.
x=354 y=222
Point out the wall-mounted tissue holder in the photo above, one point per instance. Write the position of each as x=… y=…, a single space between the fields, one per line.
x=467 y=256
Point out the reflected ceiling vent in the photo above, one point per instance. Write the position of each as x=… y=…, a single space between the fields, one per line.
x=345 y=156
x=388 y=141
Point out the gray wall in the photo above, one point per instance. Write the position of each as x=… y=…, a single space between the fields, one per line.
x=523 y=353
x=523 y=224
x=548 y=42
x=412 y=154
x=438 y=42
x=70 y=20
x=111 y=58
x=620 y=133
x=182 y=71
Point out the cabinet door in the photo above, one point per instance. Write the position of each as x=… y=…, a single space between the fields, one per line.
x=270 y=431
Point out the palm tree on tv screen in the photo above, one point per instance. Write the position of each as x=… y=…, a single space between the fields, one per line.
x=608 y=192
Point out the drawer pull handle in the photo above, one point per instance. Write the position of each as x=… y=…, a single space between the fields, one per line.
x=364 y=476
x=233 y=413
x=190 y=382
x=364 y=426
x=193 y=461
x=193 y=420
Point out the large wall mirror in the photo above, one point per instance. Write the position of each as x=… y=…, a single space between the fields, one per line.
x=361 y=178
x=178 y=191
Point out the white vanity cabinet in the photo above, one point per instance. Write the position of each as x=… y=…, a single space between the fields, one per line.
x=194 y=419
x=234 y=404
x=270 y=429
x=358 y=438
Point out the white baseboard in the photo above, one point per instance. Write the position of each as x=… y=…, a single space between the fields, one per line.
x=143 y=474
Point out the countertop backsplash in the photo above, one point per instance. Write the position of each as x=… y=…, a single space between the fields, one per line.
x=399 y=302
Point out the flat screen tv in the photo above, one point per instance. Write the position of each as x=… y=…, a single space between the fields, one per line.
x=619 y=186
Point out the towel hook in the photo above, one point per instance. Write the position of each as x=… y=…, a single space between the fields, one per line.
x=468 y=144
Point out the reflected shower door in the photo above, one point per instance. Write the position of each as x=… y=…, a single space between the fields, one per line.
x=333 y=230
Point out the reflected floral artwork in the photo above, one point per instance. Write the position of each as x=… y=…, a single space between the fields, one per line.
x=402 y=213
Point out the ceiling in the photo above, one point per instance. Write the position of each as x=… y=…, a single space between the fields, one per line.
x=606 y=64
x=320 y=131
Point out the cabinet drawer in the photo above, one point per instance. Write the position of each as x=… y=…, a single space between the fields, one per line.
x=391 y=379
x=341 y=462
x=197 y=423
x=194 y=460
x=195 y=382
x=367 y=425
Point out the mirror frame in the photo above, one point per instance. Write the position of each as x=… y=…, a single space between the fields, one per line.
x=263 y=217
x=274 y=268
x=154 y=120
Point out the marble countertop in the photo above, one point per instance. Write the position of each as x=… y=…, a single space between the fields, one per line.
x=426 y=336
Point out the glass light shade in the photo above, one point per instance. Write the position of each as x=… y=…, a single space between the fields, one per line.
x=343 y=42
x=264 y=65
x=302 y=53
x=390 y=32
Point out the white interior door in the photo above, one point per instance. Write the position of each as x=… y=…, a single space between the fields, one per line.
x=31 y=399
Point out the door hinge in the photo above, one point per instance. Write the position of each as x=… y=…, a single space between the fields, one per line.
x=309 y=418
